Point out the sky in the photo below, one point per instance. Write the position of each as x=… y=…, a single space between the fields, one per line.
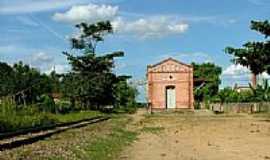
x=148 y=31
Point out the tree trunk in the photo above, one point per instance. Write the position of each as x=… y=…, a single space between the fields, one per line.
x=254 y=80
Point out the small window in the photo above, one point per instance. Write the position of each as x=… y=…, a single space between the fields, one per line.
x=171 y=77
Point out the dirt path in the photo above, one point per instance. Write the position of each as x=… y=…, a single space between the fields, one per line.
x=200 y=137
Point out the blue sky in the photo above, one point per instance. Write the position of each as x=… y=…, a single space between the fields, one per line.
x=37 y=31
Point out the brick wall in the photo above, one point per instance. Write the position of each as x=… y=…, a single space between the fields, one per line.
x=170 y=73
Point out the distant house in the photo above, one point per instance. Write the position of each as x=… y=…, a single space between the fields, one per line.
x=170 y=85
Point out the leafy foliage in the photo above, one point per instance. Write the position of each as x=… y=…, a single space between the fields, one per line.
x=125 y=94
x=13 y=118
x=92 y=82
x=254 y=55
x=261 y=26
x=249 y=56
x=91 y=34
x=24 y=83
x=6 y=79
x=227 y=95
x=47 y=104
x=261 y=92
x=207 y=80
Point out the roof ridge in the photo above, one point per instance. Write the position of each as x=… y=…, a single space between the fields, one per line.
x=167 y=59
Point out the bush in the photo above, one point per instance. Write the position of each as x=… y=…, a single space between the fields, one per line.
x=47 y=104
x=131 y=107
x=14 y=117
x=228 y=95
x=64 y=107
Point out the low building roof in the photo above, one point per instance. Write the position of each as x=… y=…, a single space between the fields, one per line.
x=169 y=59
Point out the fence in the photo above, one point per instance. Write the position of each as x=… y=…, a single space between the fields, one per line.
x=240 y=107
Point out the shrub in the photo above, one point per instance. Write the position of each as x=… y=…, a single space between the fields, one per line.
x=47 y=104
x=14 y=117
x=228 y=95
x=131 y=107
x=64 y=107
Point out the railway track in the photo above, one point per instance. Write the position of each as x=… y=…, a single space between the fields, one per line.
x=29 y=136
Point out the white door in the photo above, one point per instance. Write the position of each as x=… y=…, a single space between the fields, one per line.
x=170 y=100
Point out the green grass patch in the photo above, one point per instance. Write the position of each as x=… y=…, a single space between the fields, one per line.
x=153 y=130
x=100 y=141
x=76 y=116
x=110 y=146
x=13 y=118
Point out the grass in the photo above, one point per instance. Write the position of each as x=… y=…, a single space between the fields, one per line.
x=76 y=116
x=153 y=130
x=100 y=141
x=14 y=118
x=109 y=145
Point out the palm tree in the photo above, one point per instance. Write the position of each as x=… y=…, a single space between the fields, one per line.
x=261 y=92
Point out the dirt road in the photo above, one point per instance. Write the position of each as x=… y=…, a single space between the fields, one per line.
x=200 y=137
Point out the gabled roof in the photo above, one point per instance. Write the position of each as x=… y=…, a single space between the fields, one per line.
x=170 y=59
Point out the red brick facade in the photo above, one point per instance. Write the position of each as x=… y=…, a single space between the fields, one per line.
x=170 y=85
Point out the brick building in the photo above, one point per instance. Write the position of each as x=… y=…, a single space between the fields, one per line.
x=170 y=85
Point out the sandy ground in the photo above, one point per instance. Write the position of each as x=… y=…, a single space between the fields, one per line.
x=200 y=136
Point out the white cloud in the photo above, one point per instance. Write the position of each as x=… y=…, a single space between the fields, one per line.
x=264 y=75
x=30 y=6
x=150 y=26
x=237 y=74
x=90 y=13
x=59 y=68
x=236 y=70
x=46 y=63
x=41 y=57
x=145 y=27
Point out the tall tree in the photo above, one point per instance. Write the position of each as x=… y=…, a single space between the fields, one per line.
x=92 y=76
x=24 y=83
x=207 y=80
x=6 y=79
x=125 y=94
x=254 y=55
